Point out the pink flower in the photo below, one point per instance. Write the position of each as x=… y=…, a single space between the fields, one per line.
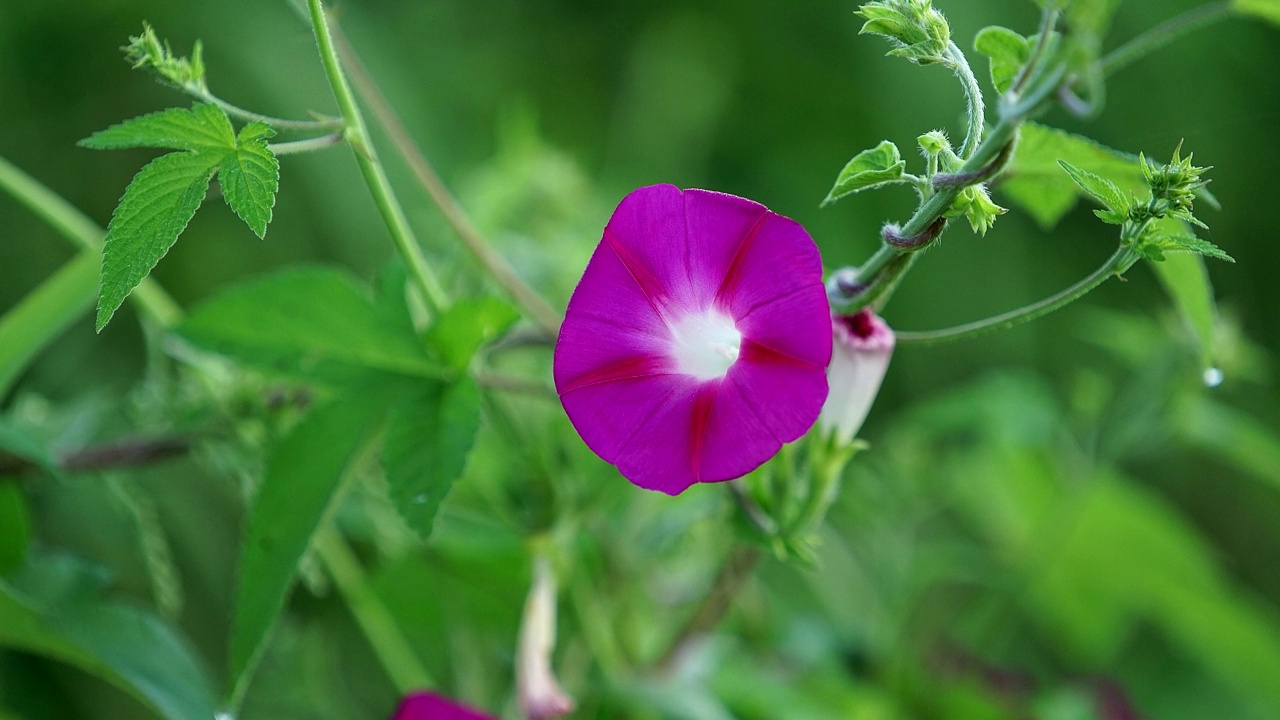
x=862 y=348
x=697 y=341
x=428 y=706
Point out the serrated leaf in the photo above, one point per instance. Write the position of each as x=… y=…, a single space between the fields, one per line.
x=1193 y=244
x=429 y=435
x=1268 y=10
x=203 y=127
x=1008 y=52
x=1097 y=187
x=299 y=318
x=1035 y=182
x=154 y=210
x=250 y=176
x=881 y=165
x=53 y=608
x=466 y=326
x=297 y=490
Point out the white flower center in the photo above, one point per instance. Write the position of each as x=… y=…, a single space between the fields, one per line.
x=705 y=345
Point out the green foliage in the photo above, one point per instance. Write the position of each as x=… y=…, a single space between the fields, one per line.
x=1186 y=280
x=45 y=313
x=1104 y=191
x=164 y=196
x=296 y=496
x=1036 y=184
x=309 y=322
x=916 y=30
x=15 y=525
x=1266 y=9
x=53 y=607
x=1008 y=52
x=880 y=166
x=146 y=51
x=429 y=434
x=466 y=326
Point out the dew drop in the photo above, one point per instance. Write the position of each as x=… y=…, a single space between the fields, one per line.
x=1213 y=377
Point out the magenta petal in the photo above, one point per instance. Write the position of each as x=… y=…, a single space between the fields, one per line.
x=697 y=341
x=428 y=706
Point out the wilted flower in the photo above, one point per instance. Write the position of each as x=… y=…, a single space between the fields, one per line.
x=538 y=692
x=696 y=342
x=862 y=346
x=429 y=706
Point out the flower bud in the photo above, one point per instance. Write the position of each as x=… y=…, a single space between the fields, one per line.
x=861 y=348
x=538 y=692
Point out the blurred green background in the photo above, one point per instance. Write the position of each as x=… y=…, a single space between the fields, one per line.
x=1061 y=507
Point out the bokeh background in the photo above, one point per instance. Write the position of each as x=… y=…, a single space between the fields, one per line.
x=1056 y=520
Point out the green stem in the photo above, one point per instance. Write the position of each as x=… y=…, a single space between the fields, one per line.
x=1162 y=35
x=277 y=123
x=976 y=117
x=374 y=175
x=308 y=145
x=535 y=306
x=1115 y=265
x=375 y=621
x=76 y=227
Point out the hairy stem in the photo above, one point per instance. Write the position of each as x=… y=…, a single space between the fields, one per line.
x=249 y=115
x=1115 y=265
x=1163 y=34
x=374 y=175
x=976 y=116
x=308 y=145
x=537 y=308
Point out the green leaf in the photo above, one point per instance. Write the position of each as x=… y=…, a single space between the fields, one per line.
x=429 y=435
x=1008 y=52
x=1099 y=188
x=1186 y=281
x=881 y=165
x=300 y=484
x=15 y=527
x=301 y=318
x=1035 y=182
x=28 y=327
x=155 y=208
x=250 y=176
x=1193 y=244
x=1268 y=10
x=52 y=608
x=466 y=326
x=203 y=127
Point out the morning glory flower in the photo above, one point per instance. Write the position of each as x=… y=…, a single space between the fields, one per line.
x=697 y=341
x=429 y=706
x=862 y=346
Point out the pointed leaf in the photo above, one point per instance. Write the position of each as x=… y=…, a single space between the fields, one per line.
x=250 y=176
x=1194 y=244
x=466 y=326
x=297 y=491
x=429 y=435
x=52 y=608
x=295 y=319
x=1186 y=281
x=1008 y=52
x=881 y=165
x=203 y=127
x=1035 y=182
x=1268 y=10
x=1099 y=188
x=154 y=210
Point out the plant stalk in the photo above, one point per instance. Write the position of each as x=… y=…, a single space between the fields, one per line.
x=1163 y=34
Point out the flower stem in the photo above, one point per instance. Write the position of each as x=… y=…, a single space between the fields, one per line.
x=1117 y=264
x=374 y=175
x=377 y=623
x=537 y=308
x=1163 y=34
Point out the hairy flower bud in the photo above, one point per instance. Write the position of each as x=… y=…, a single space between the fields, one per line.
x=918 y=32
x=861 y=348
